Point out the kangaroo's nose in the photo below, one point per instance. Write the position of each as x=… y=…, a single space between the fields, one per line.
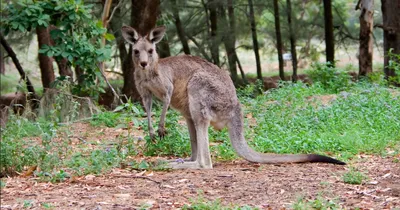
x=143 y=64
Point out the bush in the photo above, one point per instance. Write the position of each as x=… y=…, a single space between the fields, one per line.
x=329 y=77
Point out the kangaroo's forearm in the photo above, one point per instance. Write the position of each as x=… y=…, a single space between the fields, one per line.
x=147 y=102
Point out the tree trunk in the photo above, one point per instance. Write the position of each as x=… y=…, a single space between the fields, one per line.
x=292 y=40
x=366 y=36
x=179 y=28
x=229 y=42
x=232 y=26
x=126 y=60
x=45 y=62
x=214 y=39
x=279 y=45
x=329 y=39
x=64 y=69
x=2 y=63
x=255 y=41
x=163 y=48
x=79 y=75
x=391 y=33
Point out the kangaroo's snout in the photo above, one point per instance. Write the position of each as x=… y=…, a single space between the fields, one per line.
x=143 y=64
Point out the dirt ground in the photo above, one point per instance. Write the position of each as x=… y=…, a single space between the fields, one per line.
x=237 y=182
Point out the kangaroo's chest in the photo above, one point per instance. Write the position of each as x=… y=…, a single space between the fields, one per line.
x=155 y=88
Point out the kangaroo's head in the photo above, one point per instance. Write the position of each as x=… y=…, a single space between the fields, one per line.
x=144 y=47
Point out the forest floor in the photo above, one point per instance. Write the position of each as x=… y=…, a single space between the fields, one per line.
x=230 y=184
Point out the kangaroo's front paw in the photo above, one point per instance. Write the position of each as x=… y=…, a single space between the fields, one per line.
x=153 y=136
x=161 y=132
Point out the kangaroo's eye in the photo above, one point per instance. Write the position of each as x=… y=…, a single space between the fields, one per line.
x=151 y=51
x=136 y=52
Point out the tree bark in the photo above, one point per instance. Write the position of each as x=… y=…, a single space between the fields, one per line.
x=329 y=39
x=2 y=63
x=214 y=39
x=179 y=28
x=366 y=37
x=29 y=86
x=79 y=75
x=45 y=62
x=292 y=40
x=163 y=48
x=391 y=33
x=279 y=45
x=255 y=41
x=64 y=69
x=229 y=42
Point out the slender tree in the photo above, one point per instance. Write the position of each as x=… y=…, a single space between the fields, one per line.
x=11 y=53
x=179 y=28
x=391 y=33
x=229 y=42
x=292 y=40
x=329 y=38
x=126 y=61
x=232 y=32
x=255 y=41
x=2 y=63
x=214 y=38
x=366 y=36
x=279 y=45
x=45 y=62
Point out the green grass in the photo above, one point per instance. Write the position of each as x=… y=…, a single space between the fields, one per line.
x=354 y=177
x=200 y=203
x=362 y=119
x=320 y=203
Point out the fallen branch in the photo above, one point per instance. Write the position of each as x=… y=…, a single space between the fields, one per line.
x=138 y=177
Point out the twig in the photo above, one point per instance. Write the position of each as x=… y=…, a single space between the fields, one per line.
x=358 y=5
x=114 y=72
x=139 y=177
x=115 y=8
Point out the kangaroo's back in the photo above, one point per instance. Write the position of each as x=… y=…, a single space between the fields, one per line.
x=185 y=70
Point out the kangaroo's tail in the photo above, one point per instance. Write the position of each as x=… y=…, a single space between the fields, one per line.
x=236 y=135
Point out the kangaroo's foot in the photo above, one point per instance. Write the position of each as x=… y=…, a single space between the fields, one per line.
x=188 y=165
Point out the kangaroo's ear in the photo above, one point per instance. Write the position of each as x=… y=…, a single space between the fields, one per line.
x=157 y=34
x=130 y=34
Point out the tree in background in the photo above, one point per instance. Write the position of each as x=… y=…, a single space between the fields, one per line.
x=2 y=62
x=45 y=62
x=292 y=38
x=366 y=36
x=329 y=38
x=213 y=5
x=391 y=36
x=279 y=44
x=179 y=28
x=255 y=41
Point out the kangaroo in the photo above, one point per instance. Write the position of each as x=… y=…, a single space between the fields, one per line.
x=203 y=93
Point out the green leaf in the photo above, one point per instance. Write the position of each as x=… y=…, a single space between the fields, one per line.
x=109 y=37
x=119 y=108
x=143 y=165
